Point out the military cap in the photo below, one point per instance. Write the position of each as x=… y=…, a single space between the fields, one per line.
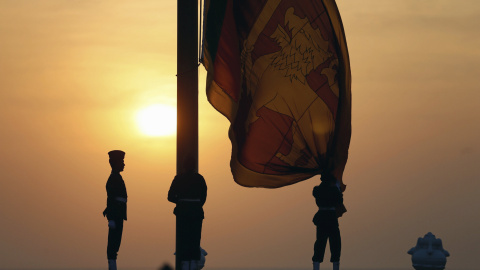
x=116 y=154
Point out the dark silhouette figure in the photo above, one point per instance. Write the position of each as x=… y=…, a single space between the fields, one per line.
x=116 y=211
x=327 y=197
x=189 y=192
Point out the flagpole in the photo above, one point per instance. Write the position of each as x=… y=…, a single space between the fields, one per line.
x=187 y=89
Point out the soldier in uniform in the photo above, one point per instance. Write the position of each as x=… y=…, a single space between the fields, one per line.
x=328 y=198
x=189 y=192
x=116 y=211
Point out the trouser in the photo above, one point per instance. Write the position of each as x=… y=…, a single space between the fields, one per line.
x=114 y=239
x=332 y=233
x=189 y=233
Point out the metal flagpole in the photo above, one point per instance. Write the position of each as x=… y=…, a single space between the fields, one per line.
x=187 y=90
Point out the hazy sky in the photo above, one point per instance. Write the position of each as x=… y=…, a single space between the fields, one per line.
x=73 y=75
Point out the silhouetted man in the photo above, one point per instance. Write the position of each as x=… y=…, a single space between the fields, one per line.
x=116 y=211
x=327 y=197
x=189 y=192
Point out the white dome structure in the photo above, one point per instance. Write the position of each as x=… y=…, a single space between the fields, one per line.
x=429 y=254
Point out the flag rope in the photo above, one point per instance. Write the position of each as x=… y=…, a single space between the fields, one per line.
x=200 y=38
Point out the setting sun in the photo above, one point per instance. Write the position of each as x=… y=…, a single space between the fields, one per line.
x=157 y=120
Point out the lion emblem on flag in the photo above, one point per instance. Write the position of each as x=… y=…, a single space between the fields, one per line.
x=284 y=86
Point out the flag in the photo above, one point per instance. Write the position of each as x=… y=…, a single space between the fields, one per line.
x=279 y=71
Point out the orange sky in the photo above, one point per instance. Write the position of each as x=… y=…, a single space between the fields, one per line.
x=73 y=74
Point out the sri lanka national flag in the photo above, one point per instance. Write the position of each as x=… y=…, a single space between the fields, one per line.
x=279 y=71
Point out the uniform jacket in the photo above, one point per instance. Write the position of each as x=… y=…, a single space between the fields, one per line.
x=327 y=197
x=116 y=189
x=189 y=192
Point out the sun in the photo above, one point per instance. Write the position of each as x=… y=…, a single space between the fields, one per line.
x=157 y=120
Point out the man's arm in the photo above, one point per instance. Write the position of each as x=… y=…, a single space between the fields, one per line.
x=172 y=192
x=340 y=197
x=203 y=198
x=315 y=191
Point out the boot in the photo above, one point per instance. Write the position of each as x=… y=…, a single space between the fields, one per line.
x=316 y=265
x=112 y=264
x=336 y=265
